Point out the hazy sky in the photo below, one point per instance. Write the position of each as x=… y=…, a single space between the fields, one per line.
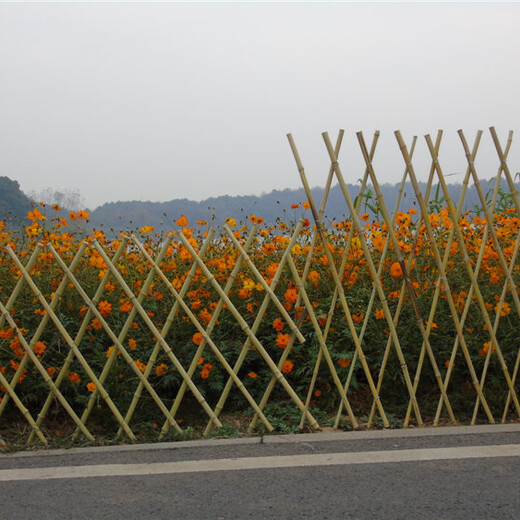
x=127 y=101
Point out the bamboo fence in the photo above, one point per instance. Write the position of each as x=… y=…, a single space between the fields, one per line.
x=308 y=330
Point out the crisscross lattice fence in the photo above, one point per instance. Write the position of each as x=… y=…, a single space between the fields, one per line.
x=395 y=316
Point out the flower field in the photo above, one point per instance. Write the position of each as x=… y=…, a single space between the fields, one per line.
x=152 y=335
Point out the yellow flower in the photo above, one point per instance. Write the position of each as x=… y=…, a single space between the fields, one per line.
x=231 y=222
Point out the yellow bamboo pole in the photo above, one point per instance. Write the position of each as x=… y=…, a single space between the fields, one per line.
x=373 y=273
x=436 y=296
x=472 y=276
x=306 y=270
x=245 y=327
x=265 y=285
x=341 y=272
x=120 y=340
x=73 y=346
x=443 y=278
x=476 y=271
x=221 y=358
x=77 y=340
x=254 y=328
x=409 y=288
x=261 y=311
x=374 y=293
x=322 y=235
x=9 y=306
x=478 y=294
x=517 y=362
x=126 y=356
x=489 y=217
x=10 y=393
x=20 y=283
x=373 y=296
x=164 y=332
x=25 y=412
x=44 y=374
x=149 y=323
x=514 y=195
x=500 y=304
x=213 y=321
x=505 y=169
x=451 y=362
x=39 y=331
x=323 y=345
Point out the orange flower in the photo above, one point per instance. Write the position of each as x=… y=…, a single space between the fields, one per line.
x=73 y=377
x=295 y=206
x=110 y=350
x=282 y=340
x=317 y=393
x=182 y=221
x=396 y=270
x=91 y=386
x=160 y=369
x=252 y=375
x=132 y=344
x=344 y=362
x=314 y=278
x=140 y=365
x=35 y=215
x=358 y=318
x=483 y=351
x=278 y=325
x=244 y=293
x=380 y=314
x=105 y=308
x=505 y=310
x=287 y=367
x=51 y=371
x=6 y=333
x=40 y=348
x=126 y=307
x=291 y=295
x=306 y=205
x=96 y=324
x=197 y=338
x=378 y=243
x=206 y=369
x=364 y=216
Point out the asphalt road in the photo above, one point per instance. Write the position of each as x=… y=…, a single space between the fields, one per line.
x=443 y=473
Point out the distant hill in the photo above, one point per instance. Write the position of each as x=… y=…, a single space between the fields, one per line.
x=271 y=206
x=114 y=217
x=14 y=204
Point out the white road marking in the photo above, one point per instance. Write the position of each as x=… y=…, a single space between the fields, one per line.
x=249 y=463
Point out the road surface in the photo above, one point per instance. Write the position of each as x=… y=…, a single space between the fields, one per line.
x=432 y=473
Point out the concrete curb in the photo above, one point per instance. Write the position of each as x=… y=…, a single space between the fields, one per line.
x=332 y=436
